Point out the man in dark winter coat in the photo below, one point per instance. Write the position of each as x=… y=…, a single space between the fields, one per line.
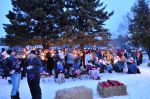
x=50 y=63
x=33 y=75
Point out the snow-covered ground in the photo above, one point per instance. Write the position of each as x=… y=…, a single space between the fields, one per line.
x=138 y=85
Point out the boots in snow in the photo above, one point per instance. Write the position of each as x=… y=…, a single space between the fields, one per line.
x=14 y=97
x=18 y=95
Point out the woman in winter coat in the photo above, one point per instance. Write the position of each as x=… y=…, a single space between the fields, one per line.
x=12 y=66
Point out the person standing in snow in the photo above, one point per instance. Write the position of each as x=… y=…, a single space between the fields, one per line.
x=33 y=75
x=133 y=54
x=12 y=66
x=50 y=63
x=1 y=56
x=138 y=58
x=141 y=57
x=69 y=62
x=125 y=53
x=4 y=55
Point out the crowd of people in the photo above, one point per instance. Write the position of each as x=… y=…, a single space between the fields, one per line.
x=17 y=64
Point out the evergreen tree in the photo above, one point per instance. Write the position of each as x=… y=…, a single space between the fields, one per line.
x=139 y=24
x=84 y=20
x=57 y=22
x=33 y=21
